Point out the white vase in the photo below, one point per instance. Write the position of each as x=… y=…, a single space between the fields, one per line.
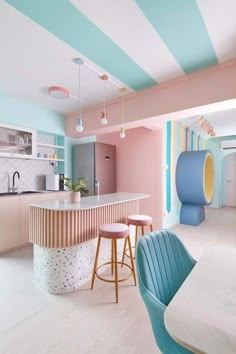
x=75 y=197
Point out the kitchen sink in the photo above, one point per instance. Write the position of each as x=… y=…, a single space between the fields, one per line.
x=8 y=193
x=29 y=192
x=15 y=193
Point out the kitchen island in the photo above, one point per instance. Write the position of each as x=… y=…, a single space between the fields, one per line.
x=64 y=237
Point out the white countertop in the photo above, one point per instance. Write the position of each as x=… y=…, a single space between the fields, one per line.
x=202 y=314
x=90 y=202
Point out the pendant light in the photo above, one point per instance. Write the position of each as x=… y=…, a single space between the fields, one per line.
x=122 y=130
x=79 y=126
x=60 y=92
x=206 y=126
x=104 y=114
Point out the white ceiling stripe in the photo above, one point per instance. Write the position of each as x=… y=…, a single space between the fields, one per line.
x=219 y=18
x=34 y=59
x=126 y=25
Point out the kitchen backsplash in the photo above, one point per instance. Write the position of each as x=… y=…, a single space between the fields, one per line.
x=32 y=174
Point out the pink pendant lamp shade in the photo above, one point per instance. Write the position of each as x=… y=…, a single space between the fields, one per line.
x=58 y=92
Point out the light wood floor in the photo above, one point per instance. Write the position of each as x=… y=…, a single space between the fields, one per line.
x=32 y=322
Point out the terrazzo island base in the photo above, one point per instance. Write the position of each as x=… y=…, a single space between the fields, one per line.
x=64 y=237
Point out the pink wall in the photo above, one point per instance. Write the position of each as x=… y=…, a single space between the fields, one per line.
x=197 y=89
x=139 y=167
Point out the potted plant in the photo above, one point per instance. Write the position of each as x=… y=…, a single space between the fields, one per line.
x=76 y=186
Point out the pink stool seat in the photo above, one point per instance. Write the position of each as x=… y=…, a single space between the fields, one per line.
x=139 y=220
x=114 y=230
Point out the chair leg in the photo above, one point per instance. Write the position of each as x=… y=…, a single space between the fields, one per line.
x=131 y=259
x=96 y=261
x=116 y=269
x=151 y=228
x=123 y=257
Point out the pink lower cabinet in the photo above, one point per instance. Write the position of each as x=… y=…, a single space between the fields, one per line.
x=54 y=196
x=48 y=196
x=14 y=217
x=9 y=223
x=24 y=202
x=63 y=195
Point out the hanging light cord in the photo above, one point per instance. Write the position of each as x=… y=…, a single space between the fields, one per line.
x=104 y=98
x=79 y=94
x=122 y=110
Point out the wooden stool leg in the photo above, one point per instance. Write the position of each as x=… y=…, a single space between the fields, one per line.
x=136 y=235
x=96 y=261
x=151 y=228
x=112 y=257
x=123 y=257
x=142 y=230
x=116 y=269
x=131 y=259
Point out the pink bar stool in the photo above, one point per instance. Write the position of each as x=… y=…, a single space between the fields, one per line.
x=113 y=232
x=137 y=221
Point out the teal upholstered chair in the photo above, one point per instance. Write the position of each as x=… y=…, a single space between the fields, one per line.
x=162 y=264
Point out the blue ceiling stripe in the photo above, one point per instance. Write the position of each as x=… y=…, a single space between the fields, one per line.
x=181 y=27
x=65 y=21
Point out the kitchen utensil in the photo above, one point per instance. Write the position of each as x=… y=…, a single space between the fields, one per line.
x=26 y=139
x=19 y=140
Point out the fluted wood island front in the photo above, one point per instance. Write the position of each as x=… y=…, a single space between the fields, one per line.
x=64 y=236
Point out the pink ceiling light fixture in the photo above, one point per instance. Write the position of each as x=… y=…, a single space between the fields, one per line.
x=58 y=92
x=61 y=92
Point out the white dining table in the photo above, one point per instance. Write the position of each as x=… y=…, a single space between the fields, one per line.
x=202 y=314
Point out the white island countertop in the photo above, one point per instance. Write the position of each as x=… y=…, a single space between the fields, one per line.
x=90 y=202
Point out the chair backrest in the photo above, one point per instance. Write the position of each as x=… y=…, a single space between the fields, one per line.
x=163 y=263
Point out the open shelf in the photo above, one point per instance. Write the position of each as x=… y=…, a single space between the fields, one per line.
x=21 y=156
x=51 y=146
x=49 y=159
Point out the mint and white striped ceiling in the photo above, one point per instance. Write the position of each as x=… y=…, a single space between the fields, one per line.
x=140 y=43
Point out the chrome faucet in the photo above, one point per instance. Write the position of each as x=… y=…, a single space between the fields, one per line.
x=14 y=189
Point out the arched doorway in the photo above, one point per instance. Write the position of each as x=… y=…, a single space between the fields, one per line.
x=229 y=180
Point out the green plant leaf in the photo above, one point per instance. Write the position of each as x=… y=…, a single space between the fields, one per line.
x=76 y=185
